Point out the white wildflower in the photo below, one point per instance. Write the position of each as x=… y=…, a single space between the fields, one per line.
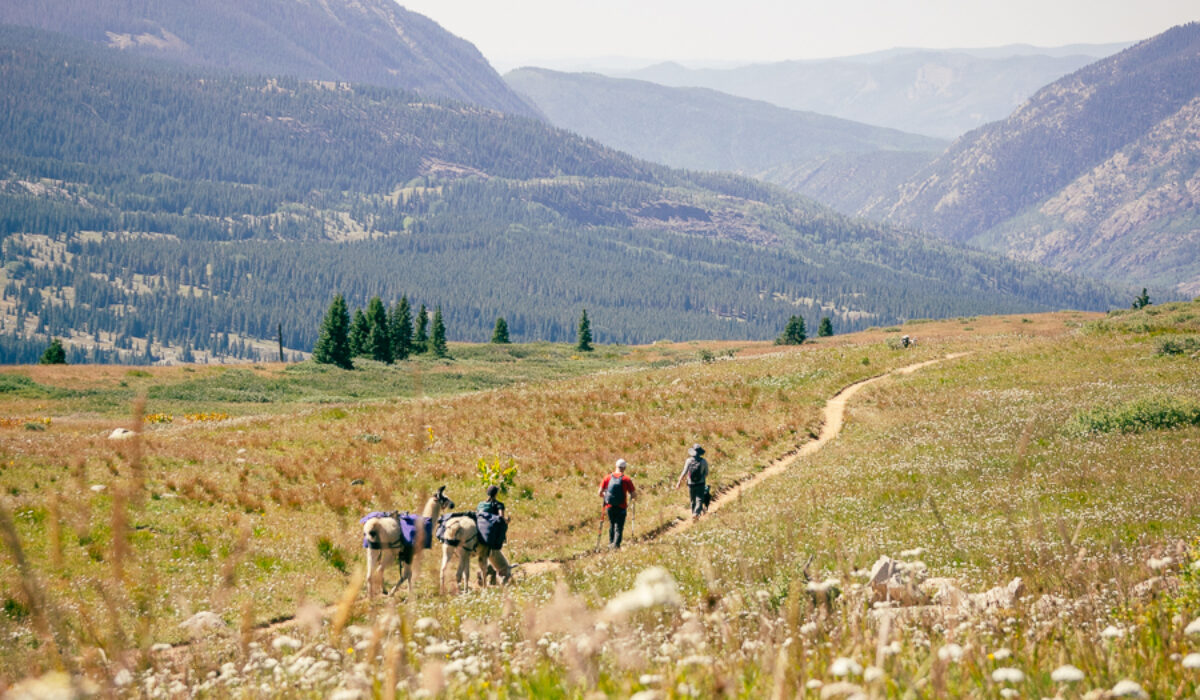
x=1009 y=693
x=647 y=695
x=696 y=660
x=814 y=684
x=1191 y=660
x=808 y=628
x=951 y=652
x=1157 y=563
x=427 y=623
x=653 y=587
x=1008 y=674
x=912 y=553
x=1112 y=632
x=1128 y=689
x=650 y=679
x=347 y=694
x=872 y=674
x=122 y=678
x=285 y=643
x=1066 y=674
x=843 y=666
x=97 y=488
x=1001 y=654
x=1193 y=627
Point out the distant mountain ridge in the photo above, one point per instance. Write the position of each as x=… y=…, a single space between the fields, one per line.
x=1098 y=172
x=698 y=128
x=364 y=41
x=936 y=93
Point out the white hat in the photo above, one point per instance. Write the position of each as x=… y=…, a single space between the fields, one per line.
x=621 y=465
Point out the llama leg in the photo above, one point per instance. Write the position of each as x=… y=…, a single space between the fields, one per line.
x=446 y=551
x=464 y=570
x=371 y=566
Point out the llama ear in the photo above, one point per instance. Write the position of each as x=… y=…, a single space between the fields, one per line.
x=441 y=490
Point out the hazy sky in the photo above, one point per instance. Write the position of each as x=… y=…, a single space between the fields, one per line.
x=510 y=32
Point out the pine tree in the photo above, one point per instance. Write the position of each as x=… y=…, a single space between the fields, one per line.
x=794 y=333
x=379 y=336
x=421 y=340
x=402 y=330
x=584 y=343
x=333 y=343
x=1142 y=300
x=437 y=338
x=500 y=333
x=54 y=354
x=360 y=328
x=825 y=329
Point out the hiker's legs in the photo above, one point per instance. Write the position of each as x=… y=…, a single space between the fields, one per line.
x=696 y=492
x=616 y=527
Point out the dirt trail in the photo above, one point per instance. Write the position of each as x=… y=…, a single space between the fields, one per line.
x=834 y=416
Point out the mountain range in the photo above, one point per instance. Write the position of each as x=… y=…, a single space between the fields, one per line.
x=698 y=128
x=145 y=204
x=375 y=42
x=1098 y=172
x=942 y=94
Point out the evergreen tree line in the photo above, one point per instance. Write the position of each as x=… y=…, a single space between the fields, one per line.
x=379 y=333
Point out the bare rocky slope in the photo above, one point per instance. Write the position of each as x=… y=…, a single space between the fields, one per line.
x=1097 y=172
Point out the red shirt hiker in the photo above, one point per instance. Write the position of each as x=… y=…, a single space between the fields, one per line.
x=617 y=490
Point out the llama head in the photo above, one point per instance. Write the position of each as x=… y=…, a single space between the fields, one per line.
x=443 y=500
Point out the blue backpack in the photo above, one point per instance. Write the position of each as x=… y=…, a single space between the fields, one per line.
x=614 y=493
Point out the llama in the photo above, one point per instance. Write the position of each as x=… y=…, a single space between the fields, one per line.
x=385 y=542
x=461 y=538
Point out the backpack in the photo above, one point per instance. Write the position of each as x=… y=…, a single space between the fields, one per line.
x=493 y=530
x=614 y=493
x=694 y=467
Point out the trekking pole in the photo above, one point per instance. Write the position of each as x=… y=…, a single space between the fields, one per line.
x=601 y=532
x=632 y=517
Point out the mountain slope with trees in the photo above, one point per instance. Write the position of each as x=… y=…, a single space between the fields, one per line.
x=1101 y=167
x=376 y=42
x=163 y=211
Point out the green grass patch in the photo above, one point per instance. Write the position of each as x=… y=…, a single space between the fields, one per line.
x=1141 y=415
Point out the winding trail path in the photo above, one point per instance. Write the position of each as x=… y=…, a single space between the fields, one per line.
x=833 y=418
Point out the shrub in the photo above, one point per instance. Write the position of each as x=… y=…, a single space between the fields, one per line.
x=1179 y=345
x=332 y=554
x=1141 y=415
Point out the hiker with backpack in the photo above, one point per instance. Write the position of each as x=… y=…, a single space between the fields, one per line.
x=491 y=505
x=696 y=471
x=618 y=491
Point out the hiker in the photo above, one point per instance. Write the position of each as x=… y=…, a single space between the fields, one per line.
x=617 y=491
x=696 y=471
x=491 y=505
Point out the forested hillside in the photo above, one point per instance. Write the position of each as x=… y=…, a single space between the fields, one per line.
x=1101 y=166
x=202 y=212
x=376 y=42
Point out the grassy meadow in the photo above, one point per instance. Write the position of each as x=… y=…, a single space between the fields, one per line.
x=1062 y=449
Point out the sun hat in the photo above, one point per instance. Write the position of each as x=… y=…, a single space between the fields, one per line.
x=696 y=450
x=492 y=491
x=621 y=464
